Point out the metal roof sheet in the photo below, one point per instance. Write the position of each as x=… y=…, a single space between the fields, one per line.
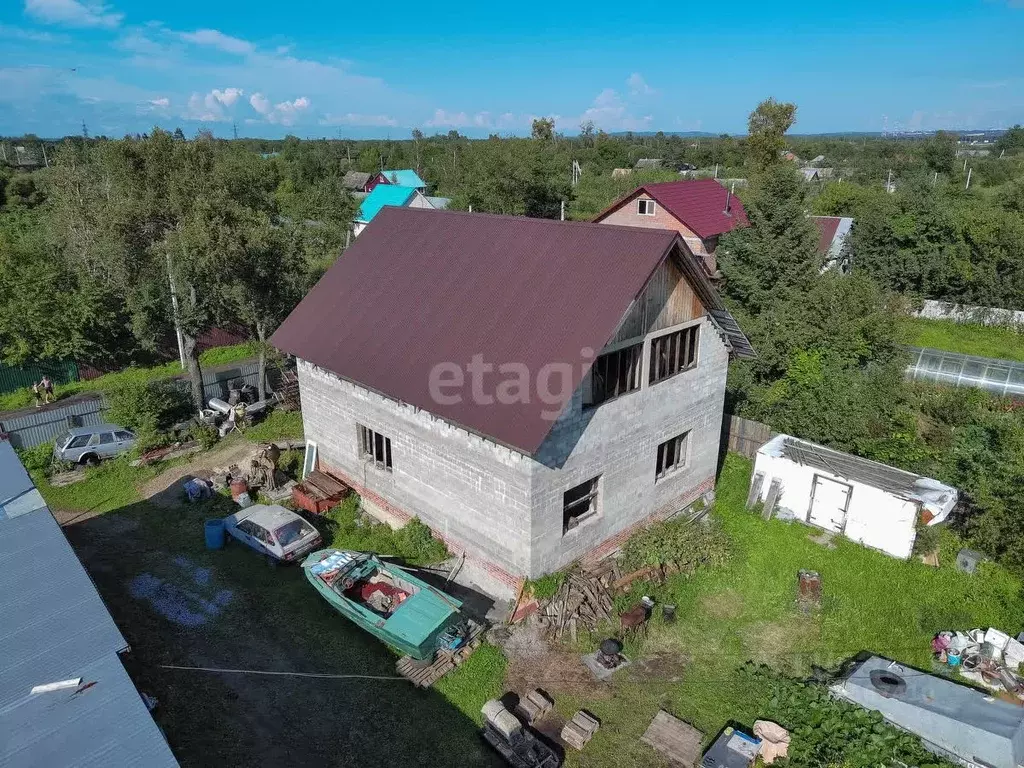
x=102 y=722
x=55 y=627
x=697 y=203
x=355 y=180
x=382 y=195
x=405 y=177
x=946 y=715
x=420 y=288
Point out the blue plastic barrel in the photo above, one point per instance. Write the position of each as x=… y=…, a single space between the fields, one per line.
x=214 y=533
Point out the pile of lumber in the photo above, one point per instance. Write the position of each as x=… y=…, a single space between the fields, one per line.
x=424 y=675
x=583 y=601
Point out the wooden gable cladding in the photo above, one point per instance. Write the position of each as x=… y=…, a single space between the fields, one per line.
x=667 y=300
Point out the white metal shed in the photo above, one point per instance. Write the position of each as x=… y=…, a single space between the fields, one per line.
x=872 y=503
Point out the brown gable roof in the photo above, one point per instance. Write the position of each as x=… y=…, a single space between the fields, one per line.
x=423 y=287
x=697 y=203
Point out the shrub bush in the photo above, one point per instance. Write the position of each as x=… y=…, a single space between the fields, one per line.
x=685 y=544
x=149 y=408
x=38 y=459
x=928 y=540
x=205 y=435
x=413 y=542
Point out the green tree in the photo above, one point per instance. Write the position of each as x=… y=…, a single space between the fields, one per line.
x=777 y=255
x=543 y=128
x=1012 y=141
x=766 y=128
x=940 y=152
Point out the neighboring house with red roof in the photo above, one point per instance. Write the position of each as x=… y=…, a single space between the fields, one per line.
x=833 y=241
x=701 y=210
x=532 y=390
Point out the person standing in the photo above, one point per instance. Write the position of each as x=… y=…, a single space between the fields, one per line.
x=37 y=393
x=47 y=383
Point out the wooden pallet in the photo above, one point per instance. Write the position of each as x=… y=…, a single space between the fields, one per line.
x=425 y=675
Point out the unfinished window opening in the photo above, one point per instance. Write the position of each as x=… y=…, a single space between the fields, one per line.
x=578 y=504
x=376 y=447
x=673 y=353
x=645 y=207
x=615 y=373
x=671 y=455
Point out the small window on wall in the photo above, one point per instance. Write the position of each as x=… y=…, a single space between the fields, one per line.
x=671 y=455
x=375 y=447
x=645 y=207
x=673 y=353
x=578 y=504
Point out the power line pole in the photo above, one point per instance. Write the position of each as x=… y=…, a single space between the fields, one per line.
x=85 y=131
x=234 y=129
x=969 y=172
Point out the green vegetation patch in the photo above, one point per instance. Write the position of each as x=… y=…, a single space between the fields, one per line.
x=967 y=338
x=412 y=542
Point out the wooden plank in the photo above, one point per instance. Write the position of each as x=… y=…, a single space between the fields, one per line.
x=673 y=738
x=773 y=496
x=755 y=489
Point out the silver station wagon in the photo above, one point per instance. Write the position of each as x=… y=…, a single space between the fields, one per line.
x=87 y=445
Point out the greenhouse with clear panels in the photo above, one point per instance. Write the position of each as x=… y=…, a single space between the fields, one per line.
x=1001 y=377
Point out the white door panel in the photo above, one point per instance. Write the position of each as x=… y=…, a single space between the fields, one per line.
x=829 y=502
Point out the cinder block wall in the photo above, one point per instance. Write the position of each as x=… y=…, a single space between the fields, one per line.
x=618 y=441
x=472 y=492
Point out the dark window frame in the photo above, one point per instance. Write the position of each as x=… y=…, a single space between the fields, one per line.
x=673 y=455
x=673 y=353
x=375 y=447
x=616 y=373
x=648 y=206
x=580 y=503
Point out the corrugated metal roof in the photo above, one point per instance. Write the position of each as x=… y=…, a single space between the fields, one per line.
x=440 y=203
x=355 y=180
x=55 y=627
x=697 y=203
x=382 y=195
x=103 y=725
x=949 y=717
x=420 y=288
x=405 y=177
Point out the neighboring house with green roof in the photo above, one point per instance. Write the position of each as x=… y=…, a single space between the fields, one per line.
x=383 y=195
x=405 y=177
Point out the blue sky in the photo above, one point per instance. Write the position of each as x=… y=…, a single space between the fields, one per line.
x=380 y=69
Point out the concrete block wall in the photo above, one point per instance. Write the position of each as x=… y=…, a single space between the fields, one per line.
x=467 y=489
x=504 y=509
x=618 y=441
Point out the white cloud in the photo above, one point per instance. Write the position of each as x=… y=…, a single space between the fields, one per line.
x=609 y=113
x=445 y=119
x=260 y=103
x=352 y=118
x=162 y=103
x=73 y=13
x=214 y=106
x=638 y=86
x=282 y=113
x=17 y=33
x=219 y=40
x=228 y=96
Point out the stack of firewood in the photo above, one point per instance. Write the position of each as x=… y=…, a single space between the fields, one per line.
x=583 y=601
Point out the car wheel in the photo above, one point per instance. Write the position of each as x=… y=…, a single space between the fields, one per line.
x=90 y=460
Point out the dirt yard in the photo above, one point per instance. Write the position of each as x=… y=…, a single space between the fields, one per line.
x=181 y=605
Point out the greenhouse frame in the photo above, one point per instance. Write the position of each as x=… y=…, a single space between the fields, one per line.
x=1000 y=377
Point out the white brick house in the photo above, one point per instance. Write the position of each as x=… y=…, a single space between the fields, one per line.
x=522 y=482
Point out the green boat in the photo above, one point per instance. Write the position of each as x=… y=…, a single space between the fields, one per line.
x=387 y=601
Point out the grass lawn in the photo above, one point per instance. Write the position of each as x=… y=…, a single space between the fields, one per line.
x=745 y=611
x=967 y=338
x=214 y=356
x=279 y=425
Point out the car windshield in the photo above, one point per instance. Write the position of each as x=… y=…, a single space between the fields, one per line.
x=291 y=532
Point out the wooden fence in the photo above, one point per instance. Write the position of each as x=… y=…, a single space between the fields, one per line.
x=744 y=436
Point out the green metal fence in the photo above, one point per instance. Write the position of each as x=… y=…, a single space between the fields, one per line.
x=14 y=378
